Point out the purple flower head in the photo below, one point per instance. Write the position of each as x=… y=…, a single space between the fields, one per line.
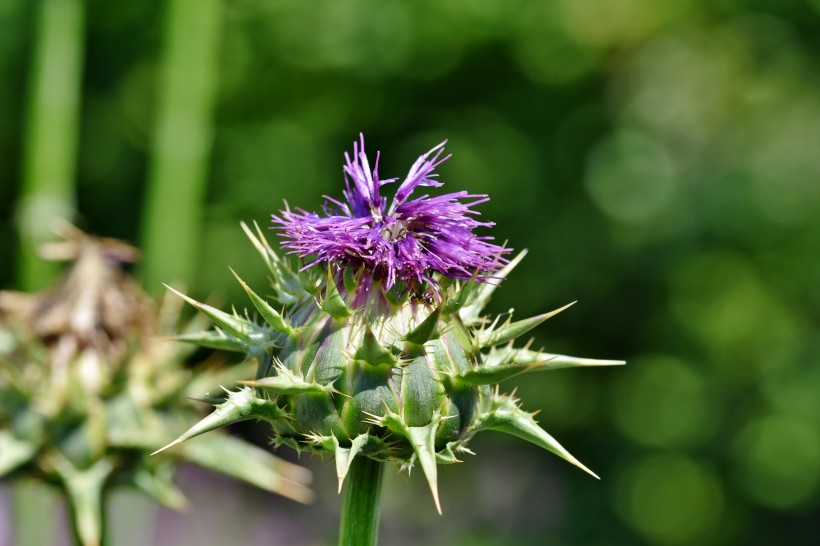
x=409 y=240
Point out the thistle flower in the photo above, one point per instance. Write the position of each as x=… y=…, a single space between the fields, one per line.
x=409 y=241
x=87 y=390
x=381 y=352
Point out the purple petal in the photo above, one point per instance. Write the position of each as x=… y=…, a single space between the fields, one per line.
x=420 y=175
x=410 y=242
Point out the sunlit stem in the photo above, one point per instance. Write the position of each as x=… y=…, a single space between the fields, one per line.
x=360 y=511
x=182 y=142
x=86 y=490
x=49 y=154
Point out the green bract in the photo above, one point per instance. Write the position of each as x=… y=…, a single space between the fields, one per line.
x=353 y=369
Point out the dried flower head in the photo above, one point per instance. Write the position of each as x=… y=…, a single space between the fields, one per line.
x=87 y=390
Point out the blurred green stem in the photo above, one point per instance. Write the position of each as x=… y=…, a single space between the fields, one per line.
x=50 y=150
x=85 y=490
x=34 y=505
x=360 y=510
x=182 y=142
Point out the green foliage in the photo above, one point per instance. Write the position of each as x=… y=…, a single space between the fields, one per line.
x=87 y=392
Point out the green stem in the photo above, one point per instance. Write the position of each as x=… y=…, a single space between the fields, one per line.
x=181 y=143
x=85 y=491
x=360 y=511
x=49 y=164
x=87 y=531
x=33 y=509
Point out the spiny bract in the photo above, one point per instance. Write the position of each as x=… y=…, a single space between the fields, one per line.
x=87 y=391
x=381 y=350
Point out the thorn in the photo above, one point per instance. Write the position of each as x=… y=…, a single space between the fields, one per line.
x=230 y=323
x=423 y=442
x=511 y=330
x=426 y=330
x=269 y=314
x=169 y=446
x=434 y=489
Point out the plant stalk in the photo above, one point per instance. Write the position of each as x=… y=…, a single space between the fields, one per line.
x=360 y=511
x=34 y=506
x=85 y=497
x=52 y=119
x=182 y=142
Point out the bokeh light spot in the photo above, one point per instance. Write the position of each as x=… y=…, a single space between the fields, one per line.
x=630 y=177
x=794 y=390
x=606 y=22
x=660 y=401
x=720 y=298
x=545 y=51
x=779 y=460
x=670 y=499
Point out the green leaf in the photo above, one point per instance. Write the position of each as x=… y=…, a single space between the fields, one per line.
x=395 y=297
x=344 y=456
x=423 y=440
x=511 y=331
x=286 y=382
x=14 y=452
x=160 y=487
x=425 y=331
x=349 y=278
x=506 y=416
x=240 y=406
x=372 y=352
x=286 y=282
x=271 y=316
x=232 y=324
x=478 y=299
x=547 y=361
x=214 y=339
x=459 y=299
x=333 y=304
x=489 y=375
x=309 y=282
x=447 y=455
x=205 y=382
x=234 y=457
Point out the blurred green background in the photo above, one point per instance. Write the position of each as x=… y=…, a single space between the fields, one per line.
x=659 y=159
